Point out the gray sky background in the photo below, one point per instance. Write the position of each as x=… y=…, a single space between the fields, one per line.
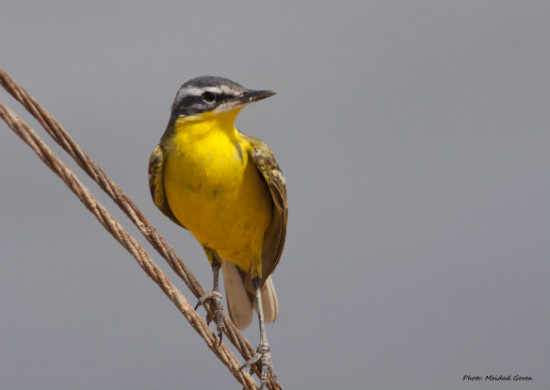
x=415 y=140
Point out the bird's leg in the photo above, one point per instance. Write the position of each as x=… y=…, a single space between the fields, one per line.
x=263 y=352
x=215 y=296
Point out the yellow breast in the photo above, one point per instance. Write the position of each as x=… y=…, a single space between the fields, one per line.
x=214 y=189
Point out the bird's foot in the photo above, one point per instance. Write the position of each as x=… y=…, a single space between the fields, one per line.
x=216 y=310
x=263 y=354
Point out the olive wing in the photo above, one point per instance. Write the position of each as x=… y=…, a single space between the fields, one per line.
x=274 y=237
x=156 y=182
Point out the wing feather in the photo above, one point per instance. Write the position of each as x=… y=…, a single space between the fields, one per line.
x=156 y=182
x=274 y=237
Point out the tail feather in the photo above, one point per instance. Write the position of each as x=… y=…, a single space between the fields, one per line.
x=241 y=303
x=269 y=301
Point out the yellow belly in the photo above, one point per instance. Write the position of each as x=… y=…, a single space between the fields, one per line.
x=216 y=192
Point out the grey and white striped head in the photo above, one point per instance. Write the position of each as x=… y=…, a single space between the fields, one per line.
x=213 y=94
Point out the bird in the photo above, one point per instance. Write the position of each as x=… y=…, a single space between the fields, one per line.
x=227 y=189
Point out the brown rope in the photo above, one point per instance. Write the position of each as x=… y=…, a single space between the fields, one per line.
x=57 y=132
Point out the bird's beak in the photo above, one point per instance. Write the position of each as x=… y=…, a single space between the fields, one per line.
x=246 y=98
x=253 y=96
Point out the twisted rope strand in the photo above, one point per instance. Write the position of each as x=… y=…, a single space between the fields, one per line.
x=129 y=208
x=25 y=132
x=58 y=133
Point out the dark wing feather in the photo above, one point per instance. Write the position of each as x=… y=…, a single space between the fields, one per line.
x=274 y=237
x=156 y=182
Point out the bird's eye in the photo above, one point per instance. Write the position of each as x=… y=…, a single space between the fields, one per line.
x=208 y=97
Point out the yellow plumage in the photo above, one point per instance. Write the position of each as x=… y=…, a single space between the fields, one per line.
x=215 y=191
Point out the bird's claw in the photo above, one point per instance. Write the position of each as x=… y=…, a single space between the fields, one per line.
x=216 y=309
x=263 y=354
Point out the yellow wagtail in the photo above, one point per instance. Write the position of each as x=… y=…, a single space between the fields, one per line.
x=227 y=189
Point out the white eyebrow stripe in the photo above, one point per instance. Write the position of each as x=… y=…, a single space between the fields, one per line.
x=196 y=91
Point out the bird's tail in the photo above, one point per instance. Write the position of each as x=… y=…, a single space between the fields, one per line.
x=241 y=303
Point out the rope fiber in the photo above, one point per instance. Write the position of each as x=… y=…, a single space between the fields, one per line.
x=56 y=131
